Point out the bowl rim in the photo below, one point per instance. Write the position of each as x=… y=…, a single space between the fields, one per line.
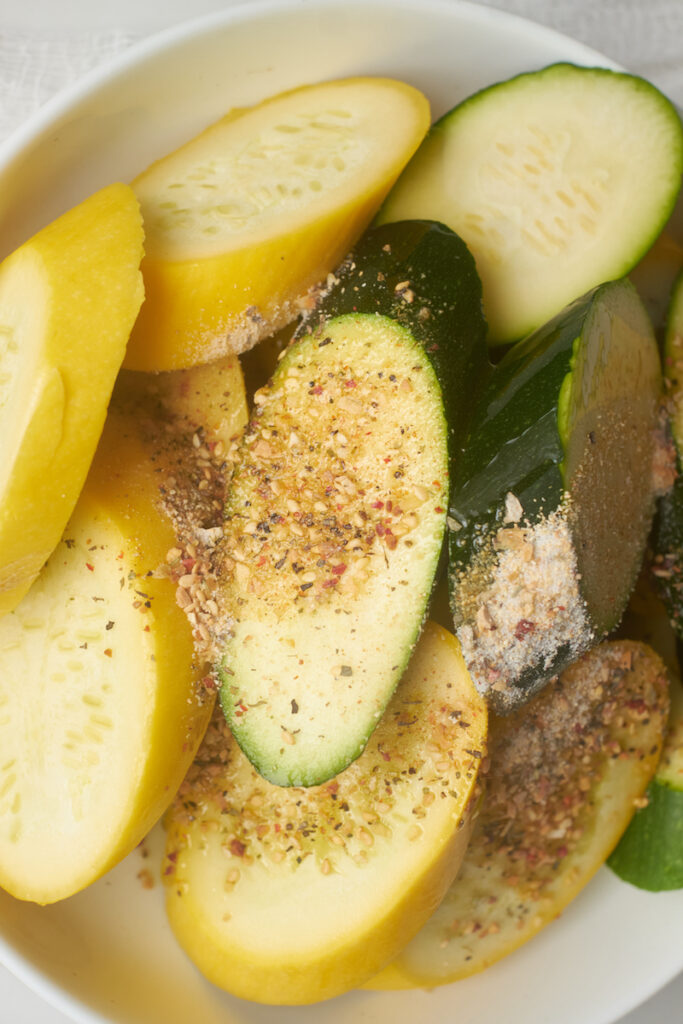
x=137 y=53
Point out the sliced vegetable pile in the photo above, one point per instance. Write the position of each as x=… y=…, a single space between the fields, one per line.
x=286 y=557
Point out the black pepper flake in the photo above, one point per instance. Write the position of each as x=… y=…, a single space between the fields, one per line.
x=346 y=670
x=110 y=625
x=306 y=586
x=325 y=341
x=295 y=708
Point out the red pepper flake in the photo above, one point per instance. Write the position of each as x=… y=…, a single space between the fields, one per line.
x=350 y=384
x=277 y=827
x=387 y=458
x=330 y=583
x=89 y=566
x=377 y=504
x=237 y=848
x=385 y=756
x=317 y=390
x=637 y=704
x=188 y=564
x=523 y=628
x=439 y=510
x=389 y=506
x=339 y=570
x=169 y=870
x=390 y=540
x=243 y=708
x=108 y=652
x=146 y=629
x=333 y=787
x=261 y=561
x=380 y=530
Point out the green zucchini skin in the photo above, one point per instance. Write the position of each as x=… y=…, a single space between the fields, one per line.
x=522 y=441
x=439 y=276
x=650 y=854
x=406 y=307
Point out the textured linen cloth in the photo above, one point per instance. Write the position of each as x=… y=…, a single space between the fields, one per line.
x=644 y=35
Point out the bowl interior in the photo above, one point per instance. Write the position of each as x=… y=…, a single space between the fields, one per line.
x=107 y=954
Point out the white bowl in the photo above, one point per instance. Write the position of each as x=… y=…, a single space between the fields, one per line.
x=107 y=954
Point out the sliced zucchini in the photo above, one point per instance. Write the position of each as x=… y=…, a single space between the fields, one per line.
x=245 y=219
x=667 y=538
x=553 y=496
x=557 y=180
x=565 y=774
x=337 y=512
x=291 y=896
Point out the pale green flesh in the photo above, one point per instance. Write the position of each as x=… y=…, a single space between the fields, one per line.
x=607 y=419
x=533 y=175
x=308 y=672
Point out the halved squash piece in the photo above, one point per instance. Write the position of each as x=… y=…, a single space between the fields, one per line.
x=68 y=299
x=101 y=707
x=246 y=218
x=566 y=773
x=296 y=895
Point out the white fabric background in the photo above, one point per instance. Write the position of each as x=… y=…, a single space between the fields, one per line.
x=47 y=44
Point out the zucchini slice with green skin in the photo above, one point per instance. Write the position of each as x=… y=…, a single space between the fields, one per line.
x=553 y=496
x=558 y=180
x=650 y=854
x=337 y=511
x=292 y=896
x=667 y=540
x=565 y=772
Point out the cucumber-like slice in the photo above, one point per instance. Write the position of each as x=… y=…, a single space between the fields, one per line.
x=557 y=180
x=68 y=299
x=102 y=707
x=337 y=511
x=553 y=495
x=291 y=896
x=245 y=219
x=565 y=772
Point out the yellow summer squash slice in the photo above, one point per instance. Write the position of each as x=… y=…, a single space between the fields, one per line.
x=567 y=772
x=68 y=299
x=296 y=895
x=246 y=218
x=101 y=707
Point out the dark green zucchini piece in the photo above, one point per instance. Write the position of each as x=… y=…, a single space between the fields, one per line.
x=337 y=512
x=553 y=495
x=667 y=538
x=650 y=854
x=558 y=180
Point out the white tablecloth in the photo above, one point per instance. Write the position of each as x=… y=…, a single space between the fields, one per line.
x=46 y=44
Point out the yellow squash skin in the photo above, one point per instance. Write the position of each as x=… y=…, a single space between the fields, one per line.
x=68 y=299
x=206 y=298
x=102 y=710
x=290 y=896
